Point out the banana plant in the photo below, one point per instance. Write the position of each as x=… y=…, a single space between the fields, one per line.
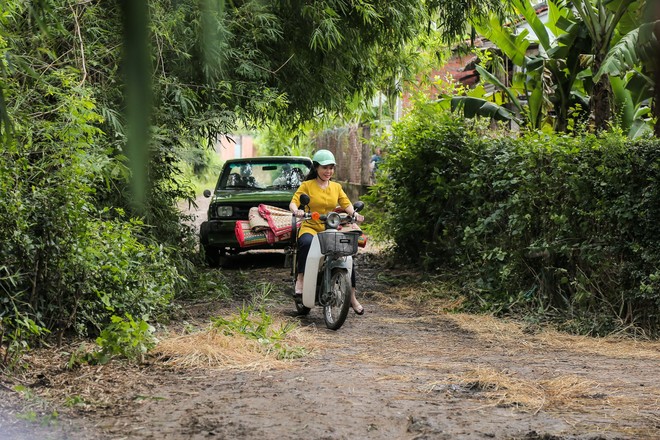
x=554 y=73
x=632 y=67
x=639 y=46
x=601 y=18
x=479 y=103
x=573 y=43
x=475 y=105
x=631 y=92
x=550 y=80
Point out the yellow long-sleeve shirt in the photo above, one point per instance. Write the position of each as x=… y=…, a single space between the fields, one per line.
x=321 y=200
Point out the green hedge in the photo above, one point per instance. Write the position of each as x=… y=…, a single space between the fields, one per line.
x=550 y=224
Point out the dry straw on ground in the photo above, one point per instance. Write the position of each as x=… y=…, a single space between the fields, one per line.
x=505 y=389
x=212 y=349
x=78 y=387
x=515 y=333
x=411 y=299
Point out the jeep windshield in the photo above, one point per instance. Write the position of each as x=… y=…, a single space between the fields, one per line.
x=262 y=175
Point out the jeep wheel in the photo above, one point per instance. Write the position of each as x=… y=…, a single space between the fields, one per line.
x=212 y=256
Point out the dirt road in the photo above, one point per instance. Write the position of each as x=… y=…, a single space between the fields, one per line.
x=401 y=371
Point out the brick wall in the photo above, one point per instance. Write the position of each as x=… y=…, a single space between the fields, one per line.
x=352 y=153
x=233 y=146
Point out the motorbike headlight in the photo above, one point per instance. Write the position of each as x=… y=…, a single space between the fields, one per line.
x=333 y=220
x=224 y=211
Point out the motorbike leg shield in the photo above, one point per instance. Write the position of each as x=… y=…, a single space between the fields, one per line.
x=312 y=266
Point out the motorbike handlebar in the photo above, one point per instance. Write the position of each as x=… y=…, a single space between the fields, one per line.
x=332 y=220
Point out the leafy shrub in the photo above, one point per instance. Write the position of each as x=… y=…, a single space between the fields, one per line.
x=125 y=337
x=428 y=159
x=68 y=259
x=70 y=266
x=551 y=224
x=125 y=274
x=16 y=333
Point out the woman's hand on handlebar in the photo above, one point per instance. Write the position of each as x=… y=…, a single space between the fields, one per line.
x=358 y=217
x=299 y=213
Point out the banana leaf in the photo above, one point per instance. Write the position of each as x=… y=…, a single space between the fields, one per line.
x=473 y=107
x=637 y=46
x=528 y=11
x=495 y=81
x=513 y=46
x=640 y=128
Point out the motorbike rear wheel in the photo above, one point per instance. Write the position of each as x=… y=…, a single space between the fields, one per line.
x=335 y=309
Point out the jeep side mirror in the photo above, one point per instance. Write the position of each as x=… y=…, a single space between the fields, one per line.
x=207 y=193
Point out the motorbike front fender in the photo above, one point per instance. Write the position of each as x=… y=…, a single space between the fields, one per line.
x=343 y=263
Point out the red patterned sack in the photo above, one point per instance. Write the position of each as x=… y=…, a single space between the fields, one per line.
x=247 y=237
x=265 y=225
x=278 y=219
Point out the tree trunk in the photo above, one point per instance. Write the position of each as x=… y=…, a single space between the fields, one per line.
x=601 y=101
x=655 y=107
x=601 y=95
x=561 y=122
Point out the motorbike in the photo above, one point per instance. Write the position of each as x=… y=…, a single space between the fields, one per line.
x=327 y=281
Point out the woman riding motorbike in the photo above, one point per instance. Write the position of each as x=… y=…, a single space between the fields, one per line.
x=325 y=196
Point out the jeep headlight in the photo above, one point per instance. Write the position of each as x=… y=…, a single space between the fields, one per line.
x=224 y=211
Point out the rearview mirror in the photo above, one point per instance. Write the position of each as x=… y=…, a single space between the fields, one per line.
x=304 y=200
x=207 y=193
x=358 y=206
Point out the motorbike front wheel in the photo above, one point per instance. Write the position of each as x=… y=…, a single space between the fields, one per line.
x=335 y=309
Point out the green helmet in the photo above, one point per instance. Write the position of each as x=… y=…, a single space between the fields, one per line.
x=324 y=157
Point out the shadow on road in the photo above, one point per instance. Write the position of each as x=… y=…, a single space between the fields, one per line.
x=255 y=260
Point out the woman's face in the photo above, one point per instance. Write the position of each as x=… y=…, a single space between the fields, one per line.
x=325 y=171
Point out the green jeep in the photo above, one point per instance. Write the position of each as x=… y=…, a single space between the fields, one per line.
x=243 y=184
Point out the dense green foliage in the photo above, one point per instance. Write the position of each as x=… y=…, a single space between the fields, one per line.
x=547 y=224
x=127 y=337
x=100 y=102
x=66 y=263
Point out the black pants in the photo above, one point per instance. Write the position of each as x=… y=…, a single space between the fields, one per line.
x=304 y=243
